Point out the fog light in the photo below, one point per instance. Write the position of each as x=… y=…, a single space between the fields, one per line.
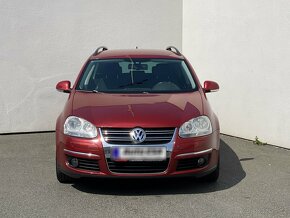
x=200 y=162
x=74 y=162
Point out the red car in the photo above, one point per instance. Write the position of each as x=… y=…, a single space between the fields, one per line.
x=137 y=113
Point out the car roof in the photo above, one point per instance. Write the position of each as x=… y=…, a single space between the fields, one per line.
x=136 y=53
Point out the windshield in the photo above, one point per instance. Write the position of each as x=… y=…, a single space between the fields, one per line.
x=137 y=76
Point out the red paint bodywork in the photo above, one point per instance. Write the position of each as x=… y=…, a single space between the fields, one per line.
x=142 y=110
x=210 y=86
x=63 y=86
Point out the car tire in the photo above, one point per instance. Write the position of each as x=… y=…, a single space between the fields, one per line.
x=63 y=178
x=213 y=176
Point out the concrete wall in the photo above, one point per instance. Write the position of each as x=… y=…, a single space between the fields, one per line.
x=42 y=42
x=245 y=46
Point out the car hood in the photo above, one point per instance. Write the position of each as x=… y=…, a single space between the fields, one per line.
x=131 y=110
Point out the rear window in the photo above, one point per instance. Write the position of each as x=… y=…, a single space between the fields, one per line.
x=137 y=76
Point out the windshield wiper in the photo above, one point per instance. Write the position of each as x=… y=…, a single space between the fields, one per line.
x=96 y=91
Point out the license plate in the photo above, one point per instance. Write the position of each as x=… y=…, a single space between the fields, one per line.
x=138 y=153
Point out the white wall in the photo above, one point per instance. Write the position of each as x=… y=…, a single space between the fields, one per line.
x=245 y=46
x=42 y=42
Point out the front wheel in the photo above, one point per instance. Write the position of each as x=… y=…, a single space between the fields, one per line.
x=213 y=176
x=63 y=178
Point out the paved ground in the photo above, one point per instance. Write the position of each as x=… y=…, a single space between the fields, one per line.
x=254 y=182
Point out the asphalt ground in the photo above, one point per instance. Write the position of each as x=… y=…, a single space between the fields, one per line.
x=254 y=182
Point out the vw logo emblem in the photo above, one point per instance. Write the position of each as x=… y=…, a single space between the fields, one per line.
x=138 y=135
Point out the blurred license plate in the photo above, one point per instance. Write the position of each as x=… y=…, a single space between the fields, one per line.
x=138 y=153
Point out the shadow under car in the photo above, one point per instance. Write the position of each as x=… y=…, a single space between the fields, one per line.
x=231 y=173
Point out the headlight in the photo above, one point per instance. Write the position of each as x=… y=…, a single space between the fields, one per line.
x=195 y=127
x=75 y=126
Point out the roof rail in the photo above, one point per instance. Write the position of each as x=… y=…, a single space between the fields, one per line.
x=172 y=48
x=100 y=49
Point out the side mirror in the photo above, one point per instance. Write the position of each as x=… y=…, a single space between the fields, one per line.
x=210 y=86
x=63 y=86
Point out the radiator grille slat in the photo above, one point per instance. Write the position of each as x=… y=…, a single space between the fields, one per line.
x=121 y=136
x=138 y=166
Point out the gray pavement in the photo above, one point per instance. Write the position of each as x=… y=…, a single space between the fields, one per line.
x=254 y=182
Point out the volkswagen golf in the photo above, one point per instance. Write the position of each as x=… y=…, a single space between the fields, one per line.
x=137 y=113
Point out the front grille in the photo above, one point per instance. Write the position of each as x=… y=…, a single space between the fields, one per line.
x=190 y=163
x=121 y=136
x=86 y=164
x=138 y=166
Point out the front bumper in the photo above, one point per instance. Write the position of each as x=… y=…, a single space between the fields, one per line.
x=182 y=155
